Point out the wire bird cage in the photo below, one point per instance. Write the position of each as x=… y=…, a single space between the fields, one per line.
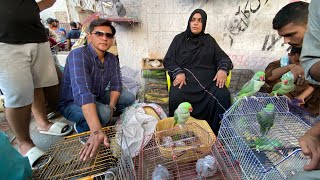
x=276 y=155
x=109 y=162
x=179 y=166
x=307 y=117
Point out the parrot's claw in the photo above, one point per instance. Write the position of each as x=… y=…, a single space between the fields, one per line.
x=246 y=98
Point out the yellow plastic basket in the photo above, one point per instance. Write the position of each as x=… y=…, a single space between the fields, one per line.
x=196 y=144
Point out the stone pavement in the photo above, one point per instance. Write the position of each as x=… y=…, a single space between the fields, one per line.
x=43 y=141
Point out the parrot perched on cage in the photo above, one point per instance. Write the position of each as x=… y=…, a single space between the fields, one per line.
x=252 y=86
x=266 y=118
x=207 y=166
x=160 y=172
x=182 y=113
x=284 y=87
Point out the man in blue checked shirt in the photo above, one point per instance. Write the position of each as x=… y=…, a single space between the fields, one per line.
x=91 y=89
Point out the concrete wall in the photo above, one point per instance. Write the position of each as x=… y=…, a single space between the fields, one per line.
x=243 y=28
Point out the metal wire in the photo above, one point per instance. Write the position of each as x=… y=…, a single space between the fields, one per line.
x=240 y=129
x=181 y=160
x=66 y=164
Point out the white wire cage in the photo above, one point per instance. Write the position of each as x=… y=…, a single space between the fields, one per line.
x=281 y=156
x=108 y=163
x=179 y=166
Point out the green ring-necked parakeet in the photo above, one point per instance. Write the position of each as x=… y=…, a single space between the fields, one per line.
x=266 y=118
x=252 y=86
x=284 y=87
x=182 y=113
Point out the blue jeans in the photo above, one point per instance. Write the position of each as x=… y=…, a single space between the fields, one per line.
x=74 y=112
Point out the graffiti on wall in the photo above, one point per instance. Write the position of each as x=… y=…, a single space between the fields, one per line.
x=270 y=41
x=241 y=19
x=195 y=4
x=254 y=62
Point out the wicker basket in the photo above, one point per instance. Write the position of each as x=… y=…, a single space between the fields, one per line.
x=197 y=138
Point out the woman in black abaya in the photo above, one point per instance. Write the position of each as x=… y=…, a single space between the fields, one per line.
x=198 y=68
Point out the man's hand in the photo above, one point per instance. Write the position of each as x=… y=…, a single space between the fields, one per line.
x=180 y=80
x=298 y=74
x=311 y=147
x=111 y=111
x=220 y=78
x=92 y=145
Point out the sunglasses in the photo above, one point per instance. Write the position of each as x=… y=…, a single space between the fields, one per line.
x=100 y=34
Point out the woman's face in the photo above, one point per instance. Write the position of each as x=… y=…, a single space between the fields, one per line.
x=196 y=23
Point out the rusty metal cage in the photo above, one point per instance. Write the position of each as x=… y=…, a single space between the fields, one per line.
x=178 y=165
x=108 y=161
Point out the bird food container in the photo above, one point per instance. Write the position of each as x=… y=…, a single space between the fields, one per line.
x=189 y=142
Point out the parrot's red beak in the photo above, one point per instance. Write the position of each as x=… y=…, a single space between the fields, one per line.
x=190 y=109
x=285 y=82
x=261 y=78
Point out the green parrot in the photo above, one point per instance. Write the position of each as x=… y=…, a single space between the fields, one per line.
x=284 y=87
x=252 y=86
x=266 y=118
x=262 y=144
x=182 y=113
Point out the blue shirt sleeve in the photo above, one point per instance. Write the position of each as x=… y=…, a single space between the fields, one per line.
x=115 y=82
x=80 y=78
x=311 y=43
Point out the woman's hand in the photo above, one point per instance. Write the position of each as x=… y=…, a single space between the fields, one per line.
x=180 y=80
x=220 y=78
x=92 y=145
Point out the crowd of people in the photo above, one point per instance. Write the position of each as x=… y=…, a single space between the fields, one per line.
x=59 y=38
x=91 y=88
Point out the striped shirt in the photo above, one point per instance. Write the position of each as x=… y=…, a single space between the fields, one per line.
x=86 y=78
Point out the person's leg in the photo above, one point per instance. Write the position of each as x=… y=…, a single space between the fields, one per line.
x=16 y=83
x=74 y=113
x=103 y=113
x=39 y=110
x=44 y=75
x=126 y=99
x=19 y=120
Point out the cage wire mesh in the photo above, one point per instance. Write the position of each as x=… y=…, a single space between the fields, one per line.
x=279 y=156
x=180 y=156
x=108 y=163
x=307 y=117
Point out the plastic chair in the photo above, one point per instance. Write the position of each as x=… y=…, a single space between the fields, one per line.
x=169 y=80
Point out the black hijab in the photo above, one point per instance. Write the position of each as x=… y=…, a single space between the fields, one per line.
x=191 y=43
x=204 y=23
